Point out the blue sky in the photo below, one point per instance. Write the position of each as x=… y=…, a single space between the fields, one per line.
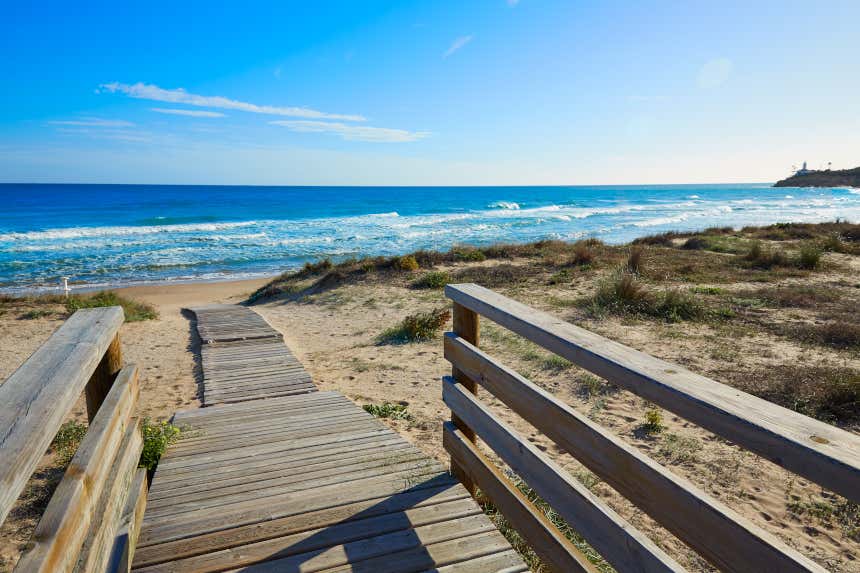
x=484 y=92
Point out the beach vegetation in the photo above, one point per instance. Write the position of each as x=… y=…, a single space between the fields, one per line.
x=635 y=260
x=653 y=423
x=134 y=310
x=389 y=411
x=532 y=560
x=469 y=254
x=809 y=256
x=35 y=313
x=416 y=327
x=584 y=253
x=679 y=450
x=67 y=440
x=157 y=436
x=407 y=263
x=432 y=280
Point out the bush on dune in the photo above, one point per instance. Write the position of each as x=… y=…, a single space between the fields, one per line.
x=416 y=327
x=134 y=310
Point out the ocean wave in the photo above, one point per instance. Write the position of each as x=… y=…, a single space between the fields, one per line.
x=504 y=205
x=88 y=232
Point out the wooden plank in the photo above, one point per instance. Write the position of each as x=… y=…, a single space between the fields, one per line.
x=466 y=325
x=102 y=379
x=820 y=452
x=376 y=491
x=60 y=534
x=546 y=540
x=122 y=554
x=99 y=542
x=705 y=524
x=287 y=542
x=401 y=550
x=39 y=395
x=616 y=540
x=402 y=503
x=507 y=561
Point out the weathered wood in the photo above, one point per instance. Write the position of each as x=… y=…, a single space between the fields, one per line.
x=546 y=540
x=616 y=540
x=820 y=452
x=61 y=531
x=102 y=379
x=706 y=524
x=98 y=544
x=467 y=324
x=122 y=553
x=38 y=396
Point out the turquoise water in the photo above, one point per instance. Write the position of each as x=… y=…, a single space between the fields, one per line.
x=110 y=235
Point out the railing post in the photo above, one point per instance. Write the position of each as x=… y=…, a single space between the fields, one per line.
x=467 y=327
x=102 y=379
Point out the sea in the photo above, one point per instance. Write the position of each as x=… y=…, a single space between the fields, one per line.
x=101 y=236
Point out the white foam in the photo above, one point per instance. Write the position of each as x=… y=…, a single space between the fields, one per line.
x=504 y=205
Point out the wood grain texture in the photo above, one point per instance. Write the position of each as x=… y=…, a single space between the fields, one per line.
x=300 y=483
x=822 y=453
x=616 y=540
x=542 y=536
x=38 y=396
x=62 y=529
x=706 y=524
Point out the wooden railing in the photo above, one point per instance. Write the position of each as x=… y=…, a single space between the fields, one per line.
x=92 y=519
x=820 y=452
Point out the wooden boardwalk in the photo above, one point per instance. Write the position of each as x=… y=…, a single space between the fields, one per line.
x=244 y=358
x=303 y=482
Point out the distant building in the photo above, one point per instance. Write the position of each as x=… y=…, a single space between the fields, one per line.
x=803 y=170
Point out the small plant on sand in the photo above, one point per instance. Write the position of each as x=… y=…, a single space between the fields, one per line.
x=528 y=554
x=635 y=260
x=432 y=280
x=653 y=424
x=157 y=436
x=468 y=254
x=762 y=257
x=389 y=410
x=561 y=277
x=583 y=254
x=679 y=450
x=35 y=313
x=809 y=257
x=676 y=305
x=620 y=293
x=407 y=263
x=66 y=441
x=134 y=310
x=416 y=327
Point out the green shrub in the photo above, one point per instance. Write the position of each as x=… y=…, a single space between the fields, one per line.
x=696 y=244
x=35 y=313
x=561 y=277
x=623 y=292
x=468 y=254
x=134 y=310
x=676 y=305
x=765 y=258
x=653 y=422
x=810 y=256
x=66 y=442
x=389 y=410
x=407 y=263
x=157 y=436
x=416 y=327
x=433 y=279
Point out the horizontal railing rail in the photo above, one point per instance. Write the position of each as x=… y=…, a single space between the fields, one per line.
x=93 y=516
x=716 y=532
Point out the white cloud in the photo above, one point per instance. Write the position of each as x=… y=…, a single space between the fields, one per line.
x=353 y=132
x=179 y=95
x=188 y=112
x=714 y=73
x=457 y=44
x=93 y=122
